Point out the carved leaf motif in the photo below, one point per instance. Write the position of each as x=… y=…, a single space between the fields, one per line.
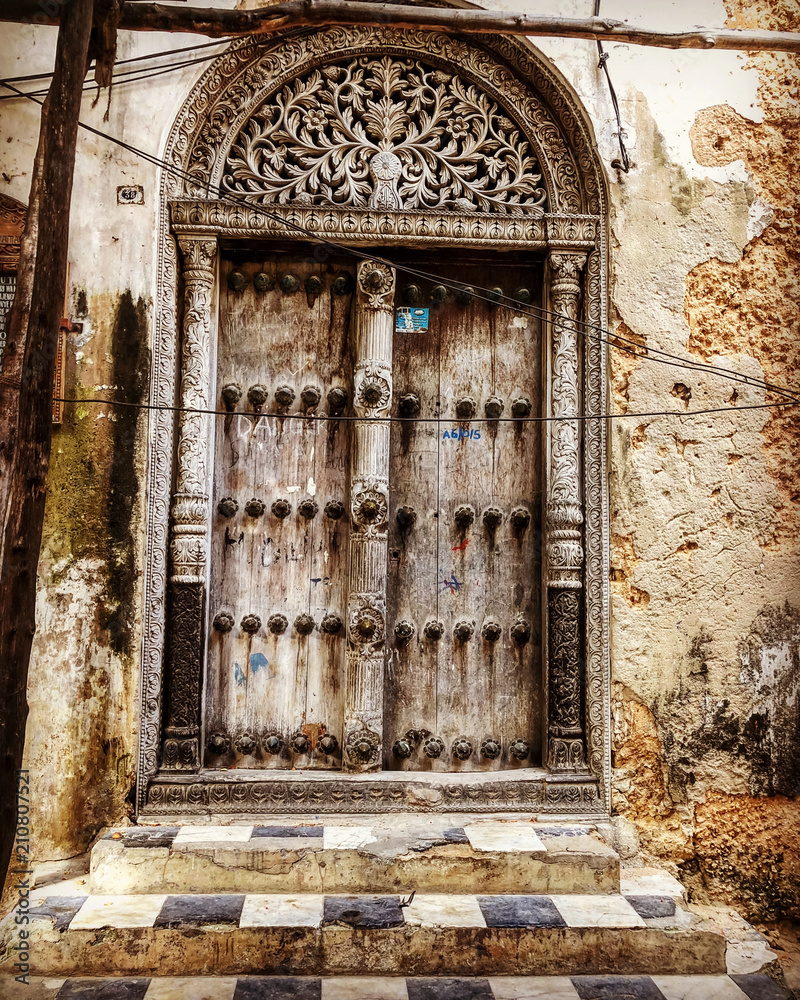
x=318 y=139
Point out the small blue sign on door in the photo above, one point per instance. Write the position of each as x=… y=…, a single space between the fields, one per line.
x=410 y=320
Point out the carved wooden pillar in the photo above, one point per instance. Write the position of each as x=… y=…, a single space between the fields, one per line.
x=566 y=742
x=369 y=505
x=188 y=540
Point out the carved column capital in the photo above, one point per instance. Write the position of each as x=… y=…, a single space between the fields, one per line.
x=199 y=257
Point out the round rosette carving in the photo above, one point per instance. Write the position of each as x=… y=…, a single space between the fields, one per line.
x=375 y=283
x=433 y=747
x=366 y=625
x=219 y=744
x=246 y=744
x=331 y=624
x=363 y=746
x=374 y=392
x=404 y=630
x=491 y=749
x=462 y=748
x=273 y=743
x=223 y=622
x=369 y=507
x=250 y=624
x=304 y=624
x=277 y=624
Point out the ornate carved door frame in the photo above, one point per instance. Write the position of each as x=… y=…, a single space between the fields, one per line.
x=544 y=117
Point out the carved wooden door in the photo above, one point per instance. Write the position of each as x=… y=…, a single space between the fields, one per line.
x=279 y=549
x=463 y=680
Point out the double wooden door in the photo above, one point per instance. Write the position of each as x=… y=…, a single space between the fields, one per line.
x=463 y=653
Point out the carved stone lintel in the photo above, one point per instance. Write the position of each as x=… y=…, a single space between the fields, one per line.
x=366 y=619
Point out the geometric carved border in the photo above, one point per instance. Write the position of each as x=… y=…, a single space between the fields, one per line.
x=543 y=106
x=206 y=794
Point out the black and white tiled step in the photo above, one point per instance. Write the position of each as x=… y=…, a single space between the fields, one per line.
x=429 y=854
x=644 y=987
x=428 y=934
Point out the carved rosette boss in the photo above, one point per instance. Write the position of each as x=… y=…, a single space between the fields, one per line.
x=566 y=740
x=366 y=632
x=188 y=539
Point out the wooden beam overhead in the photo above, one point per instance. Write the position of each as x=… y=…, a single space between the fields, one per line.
x=216 y=23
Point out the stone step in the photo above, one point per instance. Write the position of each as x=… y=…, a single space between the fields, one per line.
x=381 y=854
x=736 y=987
x=315 y=934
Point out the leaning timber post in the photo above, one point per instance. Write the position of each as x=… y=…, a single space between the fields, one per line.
x=369 y=505
x=27 y=402
x=566 y=749
x=189 y=536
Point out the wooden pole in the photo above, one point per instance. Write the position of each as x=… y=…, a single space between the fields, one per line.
x=31 y=398
x=301 y=13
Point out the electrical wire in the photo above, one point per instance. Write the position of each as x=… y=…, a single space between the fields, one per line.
x=624 y=164
x=134 y=75
x=124 y=62
x=427 y=420
x=583 y=327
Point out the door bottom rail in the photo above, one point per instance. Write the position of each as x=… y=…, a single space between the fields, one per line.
x=242 y=792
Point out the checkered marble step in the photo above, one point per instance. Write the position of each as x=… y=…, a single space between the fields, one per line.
x=423 y=853
x=736 y=987
x=329 y=934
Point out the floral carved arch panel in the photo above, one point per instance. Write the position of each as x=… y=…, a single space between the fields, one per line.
x=368 y=136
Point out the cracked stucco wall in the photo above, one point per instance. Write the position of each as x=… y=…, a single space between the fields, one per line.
x=704 y=511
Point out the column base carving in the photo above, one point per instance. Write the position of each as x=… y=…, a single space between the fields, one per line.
x=184 y=663
x=566 y=754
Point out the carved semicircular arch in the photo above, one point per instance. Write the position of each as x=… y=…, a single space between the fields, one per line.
x=378 y=118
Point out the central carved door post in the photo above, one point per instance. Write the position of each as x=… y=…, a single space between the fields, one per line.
x=369 y=507
x=189 y=534
x=566 y=750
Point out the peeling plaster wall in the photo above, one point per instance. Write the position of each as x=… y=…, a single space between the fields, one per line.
x=705 y=612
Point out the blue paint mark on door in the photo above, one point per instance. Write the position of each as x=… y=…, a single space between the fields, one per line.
x=257 y=660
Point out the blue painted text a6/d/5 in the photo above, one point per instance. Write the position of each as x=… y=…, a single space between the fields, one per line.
x=459 y=434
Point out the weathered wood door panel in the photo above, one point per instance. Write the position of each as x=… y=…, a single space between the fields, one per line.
x=464 y=586
x=278 y=588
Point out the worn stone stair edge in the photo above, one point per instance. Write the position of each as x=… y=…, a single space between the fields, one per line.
x=484 y=856
x=426 y=935
x=643 y=987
